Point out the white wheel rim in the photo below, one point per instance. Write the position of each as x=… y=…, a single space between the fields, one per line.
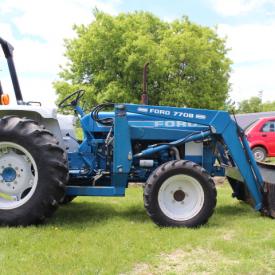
x=17 y=189
x=181 y=197
x=258 y=155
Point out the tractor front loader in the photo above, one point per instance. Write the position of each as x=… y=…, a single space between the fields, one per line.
x=174 y=152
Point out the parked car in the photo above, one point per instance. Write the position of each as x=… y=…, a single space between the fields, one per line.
x=261 y=137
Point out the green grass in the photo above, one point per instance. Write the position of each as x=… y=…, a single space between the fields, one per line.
x=114 y=235
x=272 y=160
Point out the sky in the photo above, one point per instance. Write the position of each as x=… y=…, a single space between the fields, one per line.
x=37 y=28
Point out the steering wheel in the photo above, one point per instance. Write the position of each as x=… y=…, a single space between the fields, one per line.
x=77 y=96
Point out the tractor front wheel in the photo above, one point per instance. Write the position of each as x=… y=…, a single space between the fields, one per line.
x=180 y=193
x=33 y=172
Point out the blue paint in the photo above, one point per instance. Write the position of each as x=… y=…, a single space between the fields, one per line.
x=79 y=110
x=95 y=191
x=9 y=174
x=105 y=168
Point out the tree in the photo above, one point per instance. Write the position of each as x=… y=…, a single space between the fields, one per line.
x=188 y=62
x=269 y=106
x=252 y=105
x=255 y=105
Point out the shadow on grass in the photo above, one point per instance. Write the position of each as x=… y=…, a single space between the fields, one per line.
x=236 y=210
x=227 y=215
x=81 y=213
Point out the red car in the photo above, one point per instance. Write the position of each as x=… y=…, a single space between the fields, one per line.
x=261 y=137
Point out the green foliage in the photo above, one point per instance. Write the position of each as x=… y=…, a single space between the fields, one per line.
x=254 y=105
x=188 y=63
x=268 y=106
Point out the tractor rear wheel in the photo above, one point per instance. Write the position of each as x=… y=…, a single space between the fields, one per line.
x=33 y=172
x=67 y=199
x=180 y=194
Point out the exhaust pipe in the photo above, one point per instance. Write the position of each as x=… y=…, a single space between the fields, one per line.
x=8 y=52
x=144 y=96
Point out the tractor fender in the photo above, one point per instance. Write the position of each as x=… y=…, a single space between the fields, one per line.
x=44 y=116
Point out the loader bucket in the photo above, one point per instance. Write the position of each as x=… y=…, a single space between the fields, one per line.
x=268 y=173
x=240 y=191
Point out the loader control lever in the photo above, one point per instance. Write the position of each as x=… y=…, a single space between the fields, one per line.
x=74 y=97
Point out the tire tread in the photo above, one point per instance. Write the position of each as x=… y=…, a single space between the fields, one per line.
x=153 y=184
x=51 y=160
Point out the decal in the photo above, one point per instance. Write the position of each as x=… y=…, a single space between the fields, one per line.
x=175 y=113
x=201 y=116
x=142 y=109
x=160 y=112
x=183 y=114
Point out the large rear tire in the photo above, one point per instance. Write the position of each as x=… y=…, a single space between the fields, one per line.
x=67 y=199
x=34 y=172
x=180 y=194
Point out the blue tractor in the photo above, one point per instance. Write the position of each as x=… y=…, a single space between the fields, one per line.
x=174 y=152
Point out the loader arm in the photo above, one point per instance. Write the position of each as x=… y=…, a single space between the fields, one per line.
x=220 y=125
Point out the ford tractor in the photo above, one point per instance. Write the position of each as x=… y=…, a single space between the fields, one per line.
x=174 y=152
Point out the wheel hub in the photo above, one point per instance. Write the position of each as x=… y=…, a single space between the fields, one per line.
x=258 y=155
x=15 y=173
x=179 y=195
x=8 y=174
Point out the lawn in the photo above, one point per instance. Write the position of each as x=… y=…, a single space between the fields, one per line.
x=272 y=160
x=114 y=235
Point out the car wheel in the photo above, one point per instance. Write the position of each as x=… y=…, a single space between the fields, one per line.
x=259 y=153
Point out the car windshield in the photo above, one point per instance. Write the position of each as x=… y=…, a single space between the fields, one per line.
x=249 y=126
